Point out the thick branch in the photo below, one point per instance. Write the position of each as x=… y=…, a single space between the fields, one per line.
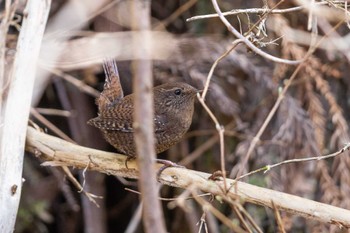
x=58 y=152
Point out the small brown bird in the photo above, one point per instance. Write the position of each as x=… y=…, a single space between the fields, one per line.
x=173 y=111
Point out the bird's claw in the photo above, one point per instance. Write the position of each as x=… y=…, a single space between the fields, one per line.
x=166 y=164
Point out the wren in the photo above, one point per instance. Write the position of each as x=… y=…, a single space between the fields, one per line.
x=173 y=111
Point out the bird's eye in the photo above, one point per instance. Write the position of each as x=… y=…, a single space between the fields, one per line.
x=177 y=92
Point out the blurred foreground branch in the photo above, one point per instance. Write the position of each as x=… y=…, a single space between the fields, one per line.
x=57 y=152
x=153 y=217
x=14 y=108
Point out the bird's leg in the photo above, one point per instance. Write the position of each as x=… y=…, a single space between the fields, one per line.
x=166 y=164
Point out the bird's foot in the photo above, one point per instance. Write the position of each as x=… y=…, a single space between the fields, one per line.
x=166 y=164
x=217 y=175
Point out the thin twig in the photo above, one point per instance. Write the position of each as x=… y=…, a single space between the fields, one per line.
x=255 y=11
x=202 y=222
x=237 y=203
x=278 y=218
x=65 y=169
x=247 y=42
x=206 y=86
x=219 y=128
x=135 y=220
x=221 y=131
x=241 y=219
x=54 y=112
x=169 y=199
x=175 y=15
x=316 y=158
x=50 y=125
x=76 y=82
x=249 y=218
x=208 y=207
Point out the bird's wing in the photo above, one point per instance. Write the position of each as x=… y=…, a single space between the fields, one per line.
x=125 y=125
x=118 y=117
x=107 y=123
